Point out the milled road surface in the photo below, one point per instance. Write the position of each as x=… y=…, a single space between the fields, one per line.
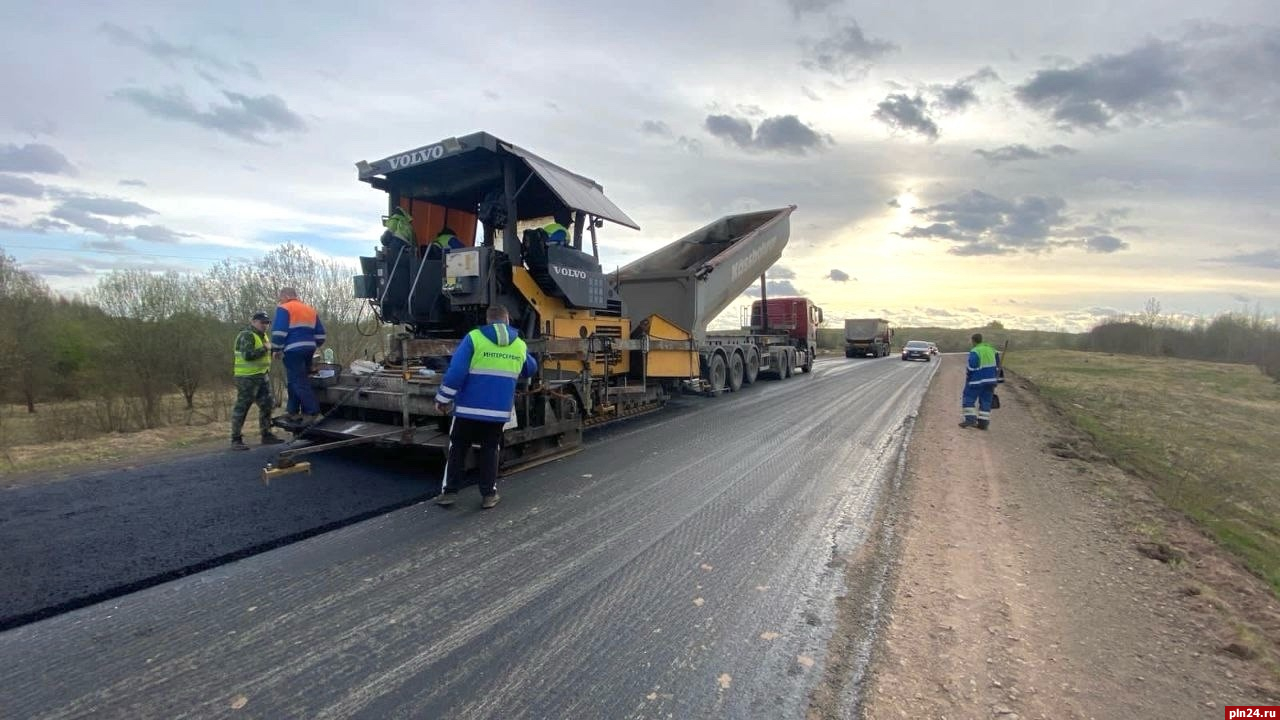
x=684 y=566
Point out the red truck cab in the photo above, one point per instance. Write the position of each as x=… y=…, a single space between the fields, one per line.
x=796 y=317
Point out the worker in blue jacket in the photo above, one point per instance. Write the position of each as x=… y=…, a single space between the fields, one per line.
x=980 y=380
x=296 y=333
x=480 y=386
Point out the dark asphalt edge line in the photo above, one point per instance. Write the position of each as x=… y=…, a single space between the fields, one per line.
x=111 y=593
x=870 y=578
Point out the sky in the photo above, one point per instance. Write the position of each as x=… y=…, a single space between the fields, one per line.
x=1046 y=165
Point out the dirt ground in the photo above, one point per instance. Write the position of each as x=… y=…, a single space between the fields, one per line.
x=1036 y=580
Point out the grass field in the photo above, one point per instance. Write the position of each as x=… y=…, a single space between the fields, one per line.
x=1206 y=435
x=68 y=434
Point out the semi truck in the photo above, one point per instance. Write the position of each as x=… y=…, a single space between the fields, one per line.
x=867 y=337
x=609 y=345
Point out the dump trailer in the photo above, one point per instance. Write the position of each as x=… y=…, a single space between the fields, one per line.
x=694 y=279
x=867 y=337
x=609 y=346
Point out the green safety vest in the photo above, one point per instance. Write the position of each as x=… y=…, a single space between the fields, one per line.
x=555 y=227
x=986 y=355
x=249 y=368
x=443 y=240
x=400 y=225
x=490 y=358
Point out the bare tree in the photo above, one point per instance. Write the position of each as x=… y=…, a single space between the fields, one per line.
x=26 y=339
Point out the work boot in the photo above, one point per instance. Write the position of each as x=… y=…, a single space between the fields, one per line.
x=984 y=424
x=310 y=419
x=447 y=498
x=238 y=444
x=490 y=501
x=269 y=439
x=292 y=418
x=969 y=422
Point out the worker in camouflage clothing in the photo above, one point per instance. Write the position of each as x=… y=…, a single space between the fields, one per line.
x=253 y=383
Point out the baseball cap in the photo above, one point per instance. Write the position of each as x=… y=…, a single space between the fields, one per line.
x=261 y=316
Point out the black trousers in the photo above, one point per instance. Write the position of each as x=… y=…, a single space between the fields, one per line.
x=462 y=434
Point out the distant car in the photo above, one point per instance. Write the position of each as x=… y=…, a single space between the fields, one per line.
x=916 y=350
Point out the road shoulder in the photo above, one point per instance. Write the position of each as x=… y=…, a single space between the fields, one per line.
x=1025 y=587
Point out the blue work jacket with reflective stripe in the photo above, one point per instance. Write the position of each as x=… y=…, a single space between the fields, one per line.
x=982 y=365
x=479 y=392
x=297 y=328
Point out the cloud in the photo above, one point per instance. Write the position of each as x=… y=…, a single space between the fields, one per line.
x=978 y=223
x=893 y=203
x=804 y=90
x=775 y=287
x=169 y=52
x=782 y=272
x=109 y=206
x=100 y=216
x=936 y=230
x=902 y=112
x=839 y=276
x=64 y=218
x=88 y=221
x=800 y=7
x=243 y=117
x=133 y=183
x=44 y=225
x=1111 y=215
x=655 y=127
x=1231 y=74
x=158 y=234
x=1147 y=80
x=959 y=95
x=1019 y=151
x=71 y=267
x=1105 y=244
x=786 y=133
x=731 y=129
x=847 y=52
x=781 y=133
x=689 y=145
x=34 y=158
x=19 y=186
x=1268 y=259
x=111 y=245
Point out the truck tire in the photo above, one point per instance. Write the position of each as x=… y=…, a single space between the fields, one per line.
x=808 y=362
x=716 y=372
x=752 y=368
x=735 y=372
x=787 y=362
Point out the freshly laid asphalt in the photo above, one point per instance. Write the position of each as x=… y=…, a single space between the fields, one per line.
x=81 y=539
x=683 y=565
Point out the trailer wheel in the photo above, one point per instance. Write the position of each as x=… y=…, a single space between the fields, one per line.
x=752 y=367
x=787 y=362
x=735 y=372
x=716 y=373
